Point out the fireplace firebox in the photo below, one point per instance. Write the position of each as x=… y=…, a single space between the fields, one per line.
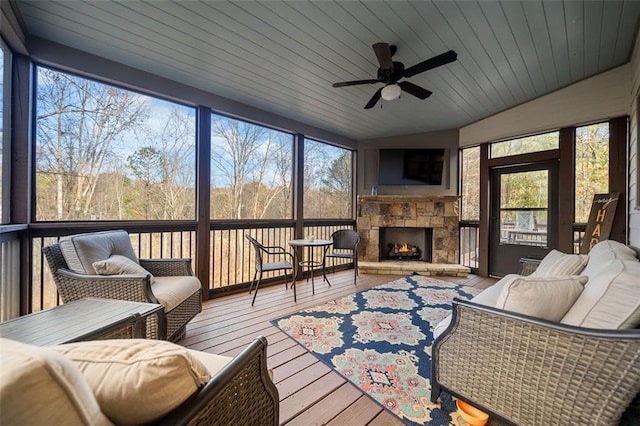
x=398 y=243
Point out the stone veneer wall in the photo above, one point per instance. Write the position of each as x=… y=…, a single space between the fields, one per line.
x=410 y=211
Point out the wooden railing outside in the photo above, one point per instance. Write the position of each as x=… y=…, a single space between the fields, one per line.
x=10 y=248
x=469 y=236
x=231 y=262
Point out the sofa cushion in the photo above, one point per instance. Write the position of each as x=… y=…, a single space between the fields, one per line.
x=605 y=253
x=137 y=381
x=213 y=363
x=171 y=291
x=120 y=265
x=547 y=298
x=488 y=297
x=611 y=298
x=82 y=250
x=556 y=263
x=39 y=386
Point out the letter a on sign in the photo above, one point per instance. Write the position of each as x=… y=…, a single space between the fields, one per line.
x=600 y=222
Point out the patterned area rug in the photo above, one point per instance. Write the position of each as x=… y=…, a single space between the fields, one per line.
x=380 y=339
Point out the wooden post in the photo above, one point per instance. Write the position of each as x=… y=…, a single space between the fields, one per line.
x=203 y=251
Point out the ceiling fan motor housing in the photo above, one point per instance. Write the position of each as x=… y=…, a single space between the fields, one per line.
x=391 y=75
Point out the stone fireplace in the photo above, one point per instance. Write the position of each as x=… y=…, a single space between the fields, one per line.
x=425 y=220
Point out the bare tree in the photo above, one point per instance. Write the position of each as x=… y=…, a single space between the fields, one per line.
x=252 y=161
x=175 y=144
x=78 y=123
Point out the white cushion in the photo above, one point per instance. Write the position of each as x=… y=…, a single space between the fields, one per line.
x=541 y=297
x=611 y=299
x=214 y=363
x=171 y=291
x=556 y=263
x=604 y=254
x=120 y=265
x=488 y=297
x=82 y=250
x=137 y=381
x=39 y=386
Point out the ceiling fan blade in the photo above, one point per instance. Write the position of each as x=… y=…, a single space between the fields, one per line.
x=383 y=53
x=414 y=90
x=434 y=62
x=374 y=99
x=353 y=83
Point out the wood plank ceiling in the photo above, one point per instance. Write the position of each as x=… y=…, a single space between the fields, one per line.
x=283 y=56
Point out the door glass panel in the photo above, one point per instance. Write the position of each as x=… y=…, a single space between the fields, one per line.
x=524 y=206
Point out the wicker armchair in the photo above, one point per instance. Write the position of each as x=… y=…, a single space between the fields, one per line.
x=165 y=325
x=240 y=394
x=536 y=372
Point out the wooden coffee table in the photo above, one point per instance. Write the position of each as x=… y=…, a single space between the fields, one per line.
x=84 y=319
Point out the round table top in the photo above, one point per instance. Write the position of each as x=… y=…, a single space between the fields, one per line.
x=308 y=243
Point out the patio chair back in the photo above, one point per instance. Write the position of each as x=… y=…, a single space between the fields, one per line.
x=258 y=249
x=346 y=239
x=345 y=246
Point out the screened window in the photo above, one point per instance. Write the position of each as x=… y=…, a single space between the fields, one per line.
x=251 y=171
x=470 y=183
x=543 y=142
x=327 y=181
x=592 y=167
x=105 y=153
x=2 y=126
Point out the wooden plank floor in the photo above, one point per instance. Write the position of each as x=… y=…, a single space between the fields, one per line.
x=310 y=392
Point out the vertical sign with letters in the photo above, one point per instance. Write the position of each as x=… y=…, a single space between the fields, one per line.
x=601 y=217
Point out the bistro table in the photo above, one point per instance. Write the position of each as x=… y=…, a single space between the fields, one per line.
x=310 y=263
x=79 y=320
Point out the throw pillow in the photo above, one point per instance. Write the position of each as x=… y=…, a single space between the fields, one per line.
x=547 y=298
x=611 y=300
x=119 y=265
x=556 y=263
x=137 y=381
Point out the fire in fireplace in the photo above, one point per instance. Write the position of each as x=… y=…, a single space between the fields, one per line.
x=401 y=243
x=403 y=251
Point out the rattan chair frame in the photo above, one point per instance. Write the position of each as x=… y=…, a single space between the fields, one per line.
x=536 y=372
x=164 y=325
x=241 y=394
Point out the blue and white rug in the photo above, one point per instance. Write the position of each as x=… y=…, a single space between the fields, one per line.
x=380 y=340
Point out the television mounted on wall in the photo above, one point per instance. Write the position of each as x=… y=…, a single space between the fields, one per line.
x=411 y=166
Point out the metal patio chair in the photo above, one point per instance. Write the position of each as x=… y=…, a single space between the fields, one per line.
x=261 y=265
x=345 y=246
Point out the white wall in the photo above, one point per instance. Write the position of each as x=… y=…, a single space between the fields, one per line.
x=634 y=155
x=600 y=97
x=367 y=168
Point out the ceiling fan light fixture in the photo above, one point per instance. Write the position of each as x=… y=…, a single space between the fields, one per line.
x=390 y=92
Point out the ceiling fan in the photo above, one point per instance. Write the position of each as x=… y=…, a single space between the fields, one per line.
x=390 y=72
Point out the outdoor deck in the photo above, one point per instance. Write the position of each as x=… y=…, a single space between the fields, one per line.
x=310 y=392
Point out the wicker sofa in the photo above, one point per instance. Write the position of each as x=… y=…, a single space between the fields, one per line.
x=134 y=381
x=581 y=369
x=121 y=275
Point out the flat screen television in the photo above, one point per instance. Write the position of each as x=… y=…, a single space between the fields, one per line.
x=411 y=166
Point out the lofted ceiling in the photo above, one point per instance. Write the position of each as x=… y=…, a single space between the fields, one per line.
x=284 y=56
